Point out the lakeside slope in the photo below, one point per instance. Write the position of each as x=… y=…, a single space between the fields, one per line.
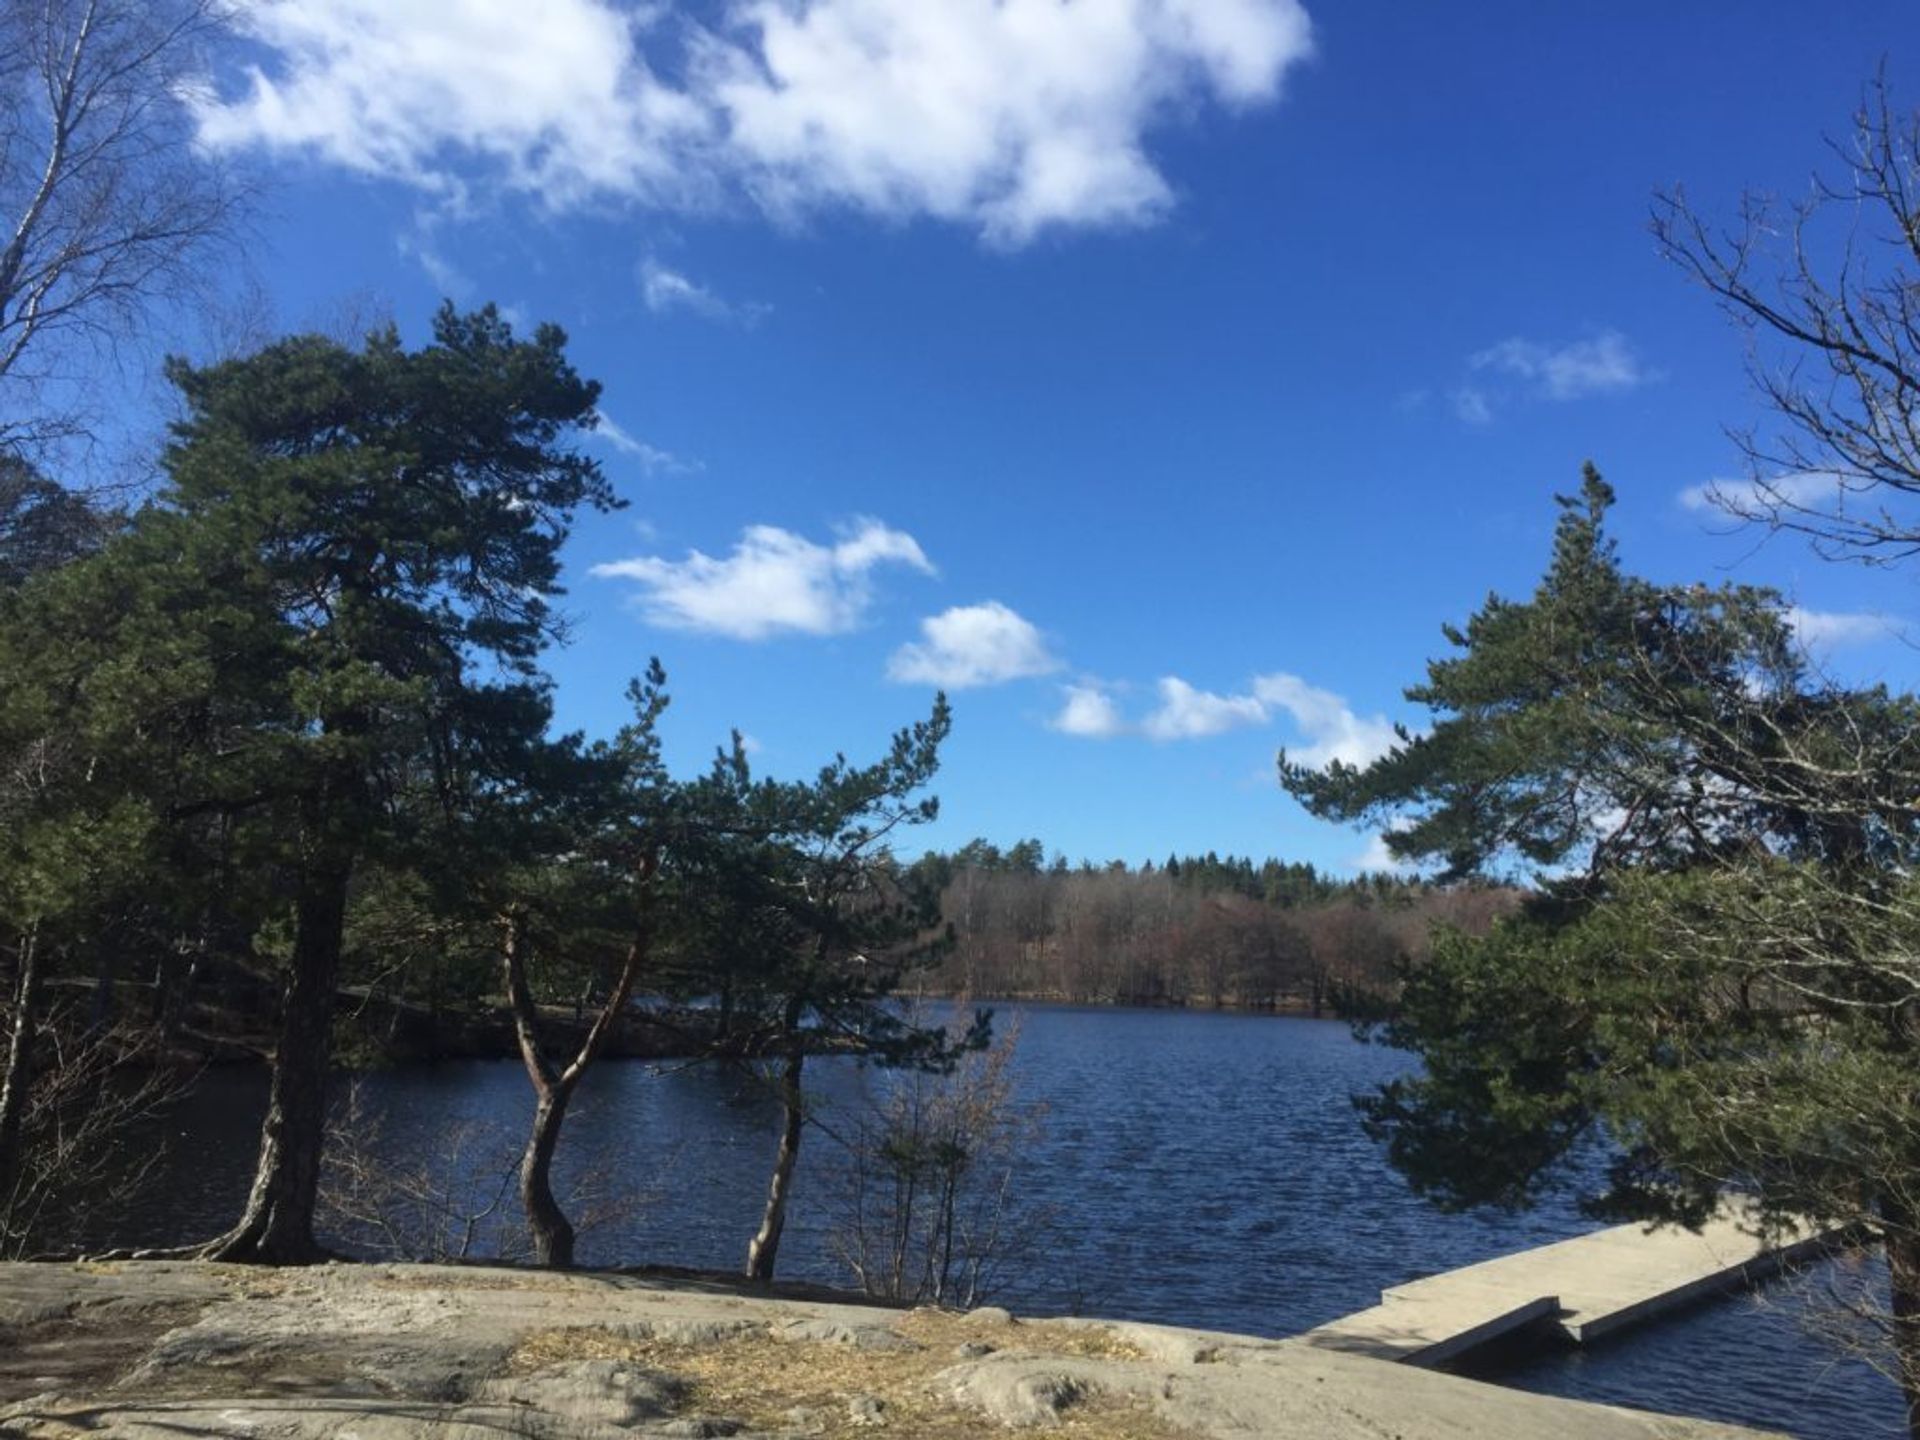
x=392 y=1352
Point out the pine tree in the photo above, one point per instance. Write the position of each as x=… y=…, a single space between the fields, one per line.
x=370 y=541
x=812 y=923
x=1716 y=977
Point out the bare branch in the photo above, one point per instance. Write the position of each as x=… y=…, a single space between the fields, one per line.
x=1836 y=359
x=106 y=210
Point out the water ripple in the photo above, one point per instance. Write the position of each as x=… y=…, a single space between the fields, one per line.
x=1208 y=1169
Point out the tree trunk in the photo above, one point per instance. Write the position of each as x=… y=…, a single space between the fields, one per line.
x=764 y=1250
x=1903 y=1272
x=552 y=1232
x=277 y=1226
x=17 y=1078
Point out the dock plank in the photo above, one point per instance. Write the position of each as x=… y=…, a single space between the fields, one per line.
x=1429 y=1331
x=1585 y=1287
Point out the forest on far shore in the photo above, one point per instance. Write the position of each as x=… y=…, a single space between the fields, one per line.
x=1199 y=930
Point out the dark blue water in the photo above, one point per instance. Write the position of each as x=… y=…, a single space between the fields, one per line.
x=1761 y=1358
x=1193 y=1168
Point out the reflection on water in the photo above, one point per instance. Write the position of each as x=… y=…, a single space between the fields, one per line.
x=1207 y=1168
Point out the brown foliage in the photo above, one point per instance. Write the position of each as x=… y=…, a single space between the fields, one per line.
x=1145 y=937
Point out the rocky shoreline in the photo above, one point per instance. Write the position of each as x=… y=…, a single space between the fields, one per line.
x=155 y=1349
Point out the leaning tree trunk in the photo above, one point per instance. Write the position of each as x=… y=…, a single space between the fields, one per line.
x=18 y=1077
x=764 y=1250
x=552 y=1232
x=277 y=1226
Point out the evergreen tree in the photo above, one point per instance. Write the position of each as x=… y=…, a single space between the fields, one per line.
x=812 y=924
x=571 y=872
x=42 y=525
x=104 y=839
x=369 y=541
x=1717 y=978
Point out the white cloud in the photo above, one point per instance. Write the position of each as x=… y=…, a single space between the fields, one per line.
x=554 y=100
x=1598 y=366
x=418 y=245
x=870 y=543
x=1088 y=711
x=1829 y=629
x=1376 y=858
x=1189 y=714
x=665 y=290
x=1796 y=490
x=1329 y=727
x=1011 y=117
x=652 y=458
x=1333 y=731
x=1008 y=117
x=1471 y=406
x=970 y=645
x=773 y=581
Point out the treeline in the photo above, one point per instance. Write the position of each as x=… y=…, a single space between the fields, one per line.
x=1197 y=930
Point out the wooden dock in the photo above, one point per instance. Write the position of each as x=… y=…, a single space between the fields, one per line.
x=1582 y=1289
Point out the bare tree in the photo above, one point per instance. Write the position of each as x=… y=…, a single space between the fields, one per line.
x=1828 y=290
x=930 y=1209
x=69 y=1118
x=107 y=209
x=1147 y=937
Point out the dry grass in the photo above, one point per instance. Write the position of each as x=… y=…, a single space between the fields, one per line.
x=451 y=1277
x=947 y=1328
x=255 y=1282
x=764 y=1381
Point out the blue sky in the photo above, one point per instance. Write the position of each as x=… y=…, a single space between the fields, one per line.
x=1157 y=374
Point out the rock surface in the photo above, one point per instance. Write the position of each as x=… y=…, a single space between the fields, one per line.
x=399 y=1352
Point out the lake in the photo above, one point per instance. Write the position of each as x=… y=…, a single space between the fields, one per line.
x=1200 y=1168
